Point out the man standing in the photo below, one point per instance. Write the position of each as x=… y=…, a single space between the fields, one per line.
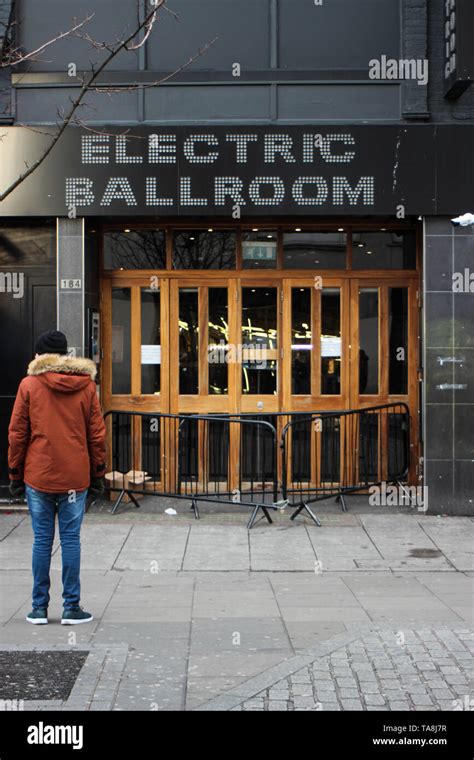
x=57 y=452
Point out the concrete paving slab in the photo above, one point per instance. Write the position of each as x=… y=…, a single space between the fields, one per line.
x=151 y=613
x=214 y=547
x=101 y=544
x=154 y=697
x=282 y=548
x=8 y=523
x=153 y=548
x=344 y=613
x=238 y=665
x=238 y=635
x=338 y=542
x=200 y=690
x=396 y=535
x=306 y=634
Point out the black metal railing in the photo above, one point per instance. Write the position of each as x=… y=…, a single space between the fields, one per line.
x=244 y=460
x=226 y=459
x=339 y=452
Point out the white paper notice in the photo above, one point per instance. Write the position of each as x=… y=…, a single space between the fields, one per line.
x=330 y=346
x=151 y=354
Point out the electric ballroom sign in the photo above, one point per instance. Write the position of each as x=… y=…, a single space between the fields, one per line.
x=458 y=46
x=241 y=171
x=185 y=172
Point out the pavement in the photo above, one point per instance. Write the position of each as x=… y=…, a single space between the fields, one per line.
x=370 y=611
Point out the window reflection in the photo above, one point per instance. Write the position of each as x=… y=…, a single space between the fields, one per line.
x=259 y=340
x=259 y=249
x=135 y=249
x=25 y=245
x=384 y=249
x=301 y=341
x=369 y=341
x=151 y=340
x=398 y=349
x=331 y=342
x=204 y=249
x=218 y=339
x=121 y=353
x=188 y=341
x=308 y=249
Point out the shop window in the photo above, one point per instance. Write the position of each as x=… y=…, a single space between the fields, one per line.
x=383 y=249
x=204 y=249
x=135 y=249
x=311 y=249
x=259 y=249
x=27 y=245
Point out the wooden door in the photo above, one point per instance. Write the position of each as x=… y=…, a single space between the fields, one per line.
x=202 y=333
x=384 y=353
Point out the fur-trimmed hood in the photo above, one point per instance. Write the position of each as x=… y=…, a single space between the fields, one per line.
x=57 y=434
x=65 y=365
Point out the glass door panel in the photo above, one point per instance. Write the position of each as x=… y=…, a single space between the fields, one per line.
x=315 y=344
x=331 y=342
x=398 y=341
x=202 y=375
x=369 y=341
x=151 y=341
x=218 y=341
x=135 y=344
x=202 y=325
x=188 y=345
x=301 y=341
x=121 y=341
x=259 y=342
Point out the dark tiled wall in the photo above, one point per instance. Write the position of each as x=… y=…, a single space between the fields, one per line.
x=449 y=367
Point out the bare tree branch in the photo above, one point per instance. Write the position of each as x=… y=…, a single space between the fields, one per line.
x=16 y=57
x=157 y=82
x=90 y=82
x=78 y=100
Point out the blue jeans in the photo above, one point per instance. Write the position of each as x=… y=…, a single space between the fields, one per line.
x=42 y=507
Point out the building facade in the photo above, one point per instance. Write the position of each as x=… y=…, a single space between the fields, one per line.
x=250 y=212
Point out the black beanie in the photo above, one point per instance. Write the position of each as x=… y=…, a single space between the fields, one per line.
x=51 y=342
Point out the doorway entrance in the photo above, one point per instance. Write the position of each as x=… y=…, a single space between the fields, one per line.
x=259 y=345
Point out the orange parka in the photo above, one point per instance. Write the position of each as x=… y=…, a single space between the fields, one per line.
x=57 y=433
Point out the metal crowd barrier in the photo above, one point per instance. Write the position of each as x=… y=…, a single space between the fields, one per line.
x=201 y=458
x=340 y=452
x=240 y=459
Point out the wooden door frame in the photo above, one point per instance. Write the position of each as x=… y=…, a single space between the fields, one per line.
x=411 y=398
x=283 y=280
x=315 y=400
x=271 y=402
x=182 y=403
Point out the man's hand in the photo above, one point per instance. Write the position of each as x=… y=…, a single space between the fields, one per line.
x=17 y=489
x=96 y=487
